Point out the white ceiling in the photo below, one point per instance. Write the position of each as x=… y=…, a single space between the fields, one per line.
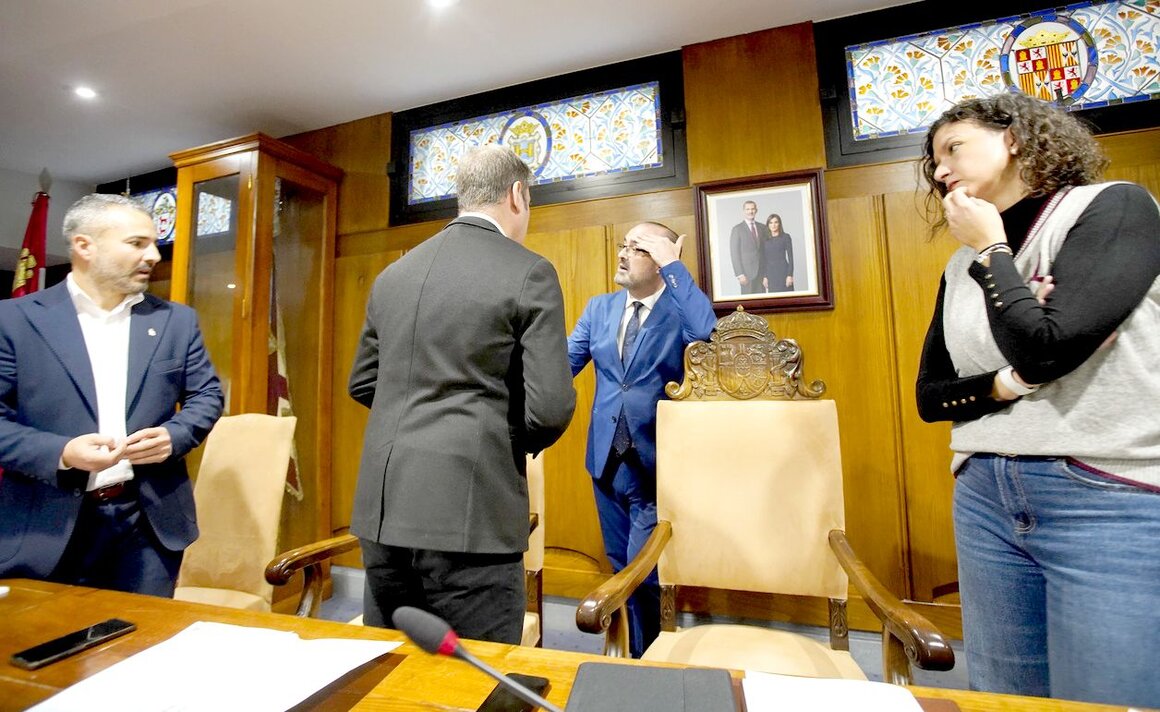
x=173 y=74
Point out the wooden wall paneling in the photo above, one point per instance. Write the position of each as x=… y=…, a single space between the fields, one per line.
x=580 y=257
x=354 y=277
x=1132 y=148
x=362 y=149
x=752 y=106
x=916 y=263
x=396 y=238
x=1147 y=176
x=609 y=211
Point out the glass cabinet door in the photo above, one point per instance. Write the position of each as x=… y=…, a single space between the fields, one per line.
x=254 y=255
x=212 y=273
x=294 y=377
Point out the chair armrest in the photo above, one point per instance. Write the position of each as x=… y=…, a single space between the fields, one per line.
x=921 y=641
x=308 y=559
x=594 y=614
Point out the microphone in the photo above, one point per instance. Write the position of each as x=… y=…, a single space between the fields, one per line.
x=434 y=635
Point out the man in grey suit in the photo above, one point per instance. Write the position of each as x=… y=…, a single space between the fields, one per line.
x=463 y=362
x=745 y=248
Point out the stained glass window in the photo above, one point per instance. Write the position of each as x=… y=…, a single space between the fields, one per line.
x=213 y=214
x=162 y=205
x=614 y=131
x=1082 y=56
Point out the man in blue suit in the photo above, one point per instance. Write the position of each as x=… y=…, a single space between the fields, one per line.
x=636 y=339
x=94 y=490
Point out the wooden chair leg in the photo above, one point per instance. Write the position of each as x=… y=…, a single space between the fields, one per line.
x=895 y=663
x=616 y=636
x=669 y=608
x=839 y=628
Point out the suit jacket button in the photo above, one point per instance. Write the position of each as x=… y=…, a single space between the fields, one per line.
x=624 y=386
x=77 y=493
x=612 y=418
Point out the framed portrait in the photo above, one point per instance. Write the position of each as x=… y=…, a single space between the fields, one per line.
x=763 y=243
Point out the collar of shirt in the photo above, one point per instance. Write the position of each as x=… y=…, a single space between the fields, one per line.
x=484 y=216
x=648 y=303
x=647 y=306
x=85 y=304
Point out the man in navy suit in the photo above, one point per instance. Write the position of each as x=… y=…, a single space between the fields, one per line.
x=92 y=370
x=636 y=339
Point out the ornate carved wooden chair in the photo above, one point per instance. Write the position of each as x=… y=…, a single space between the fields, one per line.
x=238 y=493
x=310 y=560
x=749 y=498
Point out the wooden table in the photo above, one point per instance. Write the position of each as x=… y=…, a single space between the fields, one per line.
x=407 y=679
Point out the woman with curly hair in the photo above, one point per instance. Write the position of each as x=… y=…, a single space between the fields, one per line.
x=1044 y=351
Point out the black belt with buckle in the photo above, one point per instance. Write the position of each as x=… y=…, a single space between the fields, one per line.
x=104 y=494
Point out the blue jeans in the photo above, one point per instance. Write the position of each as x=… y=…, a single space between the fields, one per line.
x=1059 y=573
x=626 y=501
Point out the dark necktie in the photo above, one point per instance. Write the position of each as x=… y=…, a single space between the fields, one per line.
x=630 y=333
x=753 y=231
x=621 y=440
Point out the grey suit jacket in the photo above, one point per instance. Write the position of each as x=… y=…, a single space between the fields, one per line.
x=744 y=252
x=463 y=362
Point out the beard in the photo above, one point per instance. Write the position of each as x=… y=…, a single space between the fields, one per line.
x=122 y=282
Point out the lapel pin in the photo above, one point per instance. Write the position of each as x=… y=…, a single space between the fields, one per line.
x=152 y=331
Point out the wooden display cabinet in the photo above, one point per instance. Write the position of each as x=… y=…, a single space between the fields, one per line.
x=254 y=255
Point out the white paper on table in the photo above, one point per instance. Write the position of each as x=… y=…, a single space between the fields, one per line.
x=215 y=667
x=785 y=693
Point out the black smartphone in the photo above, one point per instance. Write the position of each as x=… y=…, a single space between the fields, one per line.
x=40 y=655
x=502 y=699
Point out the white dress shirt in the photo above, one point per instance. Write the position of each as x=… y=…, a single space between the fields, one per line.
x=483 y=216
x=106 y=336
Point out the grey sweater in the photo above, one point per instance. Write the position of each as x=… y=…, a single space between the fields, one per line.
x=1105 y=413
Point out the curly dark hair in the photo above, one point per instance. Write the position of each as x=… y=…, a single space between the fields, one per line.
x=1054 y=149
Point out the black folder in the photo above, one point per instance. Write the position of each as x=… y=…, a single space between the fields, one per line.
x=608 y=687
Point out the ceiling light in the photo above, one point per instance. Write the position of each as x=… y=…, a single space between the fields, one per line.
x=440 y=4
x=85 y=92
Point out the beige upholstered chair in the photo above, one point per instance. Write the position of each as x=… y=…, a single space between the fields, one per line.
x=311 y=559
x=238 y=494
x=749 y=498
x=534 y=557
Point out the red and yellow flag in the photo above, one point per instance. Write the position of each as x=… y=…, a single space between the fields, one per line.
x=27 y=278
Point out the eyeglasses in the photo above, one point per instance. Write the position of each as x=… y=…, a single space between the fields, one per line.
x=631 y=250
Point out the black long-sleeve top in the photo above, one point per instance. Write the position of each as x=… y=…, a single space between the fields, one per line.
x=1104 y=269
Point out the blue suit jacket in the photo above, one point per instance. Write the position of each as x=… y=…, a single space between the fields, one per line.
x=682 y=315
x=48 y=397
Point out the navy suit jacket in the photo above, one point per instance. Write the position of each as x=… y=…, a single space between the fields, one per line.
x=681 y=316
x=48 y=397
